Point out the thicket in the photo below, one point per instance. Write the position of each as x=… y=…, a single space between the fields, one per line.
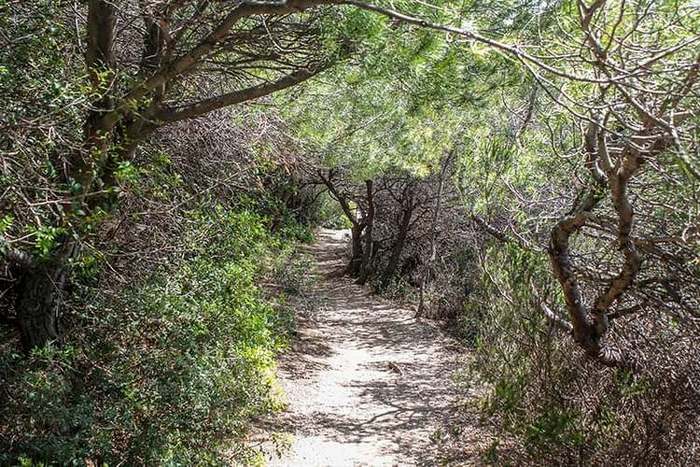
x=169 y=339
x=168 y=370
x=166 y=337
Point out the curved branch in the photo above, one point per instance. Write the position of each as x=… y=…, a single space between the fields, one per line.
x=236 y=97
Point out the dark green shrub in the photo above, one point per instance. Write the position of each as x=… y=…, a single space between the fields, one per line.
x=167 y=372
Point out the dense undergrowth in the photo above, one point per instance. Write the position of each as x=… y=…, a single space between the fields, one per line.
x=551 y=406
x=168 y=371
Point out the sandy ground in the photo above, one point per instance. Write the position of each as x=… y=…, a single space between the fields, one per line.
x=366 y=384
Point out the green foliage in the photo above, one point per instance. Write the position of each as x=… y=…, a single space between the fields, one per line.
x=170 y=371
x=30 y=78
x=46 y=238
x=126 y=172
x=5 y=222
x=534 y=378
x=510 y=345
x=292 y=271
x=554 y=426
x=42 y=98
x=331 y=215
x=400 y=104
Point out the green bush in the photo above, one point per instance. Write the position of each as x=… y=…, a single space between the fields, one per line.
x=168 y=372
x=331 y=215
x=556 y=406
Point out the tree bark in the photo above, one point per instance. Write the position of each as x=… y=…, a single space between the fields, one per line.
x=397 y=248
x=368 y=247
x=355 y=264
x=40 y=290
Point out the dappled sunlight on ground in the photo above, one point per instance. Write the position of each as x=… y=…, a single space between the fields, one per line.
x=367 y=384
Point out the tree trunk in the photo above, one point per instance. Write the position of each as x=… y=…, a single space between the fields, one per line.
x=355 y=264
x=40 y=291
x=38 y=297
x=366 y=265
x=366 y=260
x=397 y=249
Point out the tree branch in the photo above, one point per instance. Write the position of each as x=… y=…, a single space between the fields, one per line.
x=236 y=97
x=181 y=64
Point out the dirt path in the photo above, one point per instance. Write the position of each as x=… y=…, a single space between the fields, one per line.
x=366 y=384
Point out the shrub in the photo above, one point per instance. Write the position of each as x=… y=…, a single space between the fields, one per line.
x=167 y=372
x=564 y=409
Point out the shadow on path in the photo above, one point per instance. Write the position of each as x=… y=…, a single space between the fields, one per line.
x=366 y=383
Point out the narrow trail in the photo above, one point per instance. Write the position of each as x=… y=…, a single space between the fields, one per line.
x=366 y=384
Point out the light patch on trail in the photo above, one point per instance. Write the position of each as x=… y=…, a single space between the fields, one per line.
x=367 y=385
